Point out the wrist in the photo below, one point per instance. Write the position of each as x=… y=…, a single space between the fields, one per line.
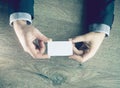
x=19 y=23
x=100 y=28
x=101 y=34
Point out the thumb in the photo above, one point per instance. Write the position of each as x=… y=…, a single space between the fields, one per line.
x=42 y=37
x=78 y=39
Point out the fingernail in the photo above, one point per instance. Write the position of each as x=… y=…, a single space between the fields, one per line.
x=70 y=39
x=49 y=57
x=50 y=40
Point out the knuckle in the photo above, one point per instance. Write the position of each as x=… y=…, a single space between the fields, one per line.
x=35 y=56
x=26 y=50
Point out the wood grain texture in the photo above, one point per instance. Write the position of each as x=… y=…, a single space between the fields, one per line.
x=60 y=20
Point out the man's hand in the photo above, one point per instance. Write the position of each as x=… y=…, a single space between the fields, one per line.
x=26 y=35
x=91 y=43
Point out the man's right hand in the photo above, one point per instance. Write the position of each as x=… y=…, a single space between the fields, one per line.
x=92 y=42
x=26 y=35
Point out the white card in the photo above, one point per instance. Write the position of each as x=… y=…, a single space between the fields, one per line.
x=60 y=48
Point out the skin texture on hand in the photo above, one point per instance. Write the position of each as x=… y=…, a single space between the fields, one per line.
x=91 y=43
x=26 y=35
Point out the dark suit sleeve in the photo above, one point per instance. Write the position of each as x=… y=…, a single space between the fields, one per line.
x=26 y=6
x=100 y=11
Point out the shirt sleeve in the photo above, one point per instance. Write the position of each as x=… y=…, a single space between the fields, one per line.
x=100 y=28
x=20 y=16
x=100 y=15
x=100 y=12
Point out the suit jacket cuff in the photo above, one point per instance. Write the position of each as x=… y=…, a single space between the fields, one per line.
x=20 y=16
x=100 y=28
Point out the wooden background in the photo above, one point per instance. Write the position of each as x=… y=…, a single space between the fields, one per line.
x=60 y=20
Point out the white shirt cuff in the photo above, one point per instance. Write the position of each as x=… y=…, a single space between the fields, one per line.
x=20 y=16
x=100 y=28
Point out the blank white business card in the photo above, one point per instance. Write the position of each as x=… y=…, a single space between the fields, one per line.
x=60 y=48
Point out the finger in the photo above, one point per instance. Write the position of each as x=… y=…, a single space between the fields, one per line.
x=32 y=51
x=76 y=51
x=44 y=56
x=70 y=39
x=84 y=57
x=41 y=36
x=78 y=39
x=35 y=53
x=50 y=40
x=88 y=54
x=42 y=49
x=77 y=58
x=38 y=55
x=37 y=44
